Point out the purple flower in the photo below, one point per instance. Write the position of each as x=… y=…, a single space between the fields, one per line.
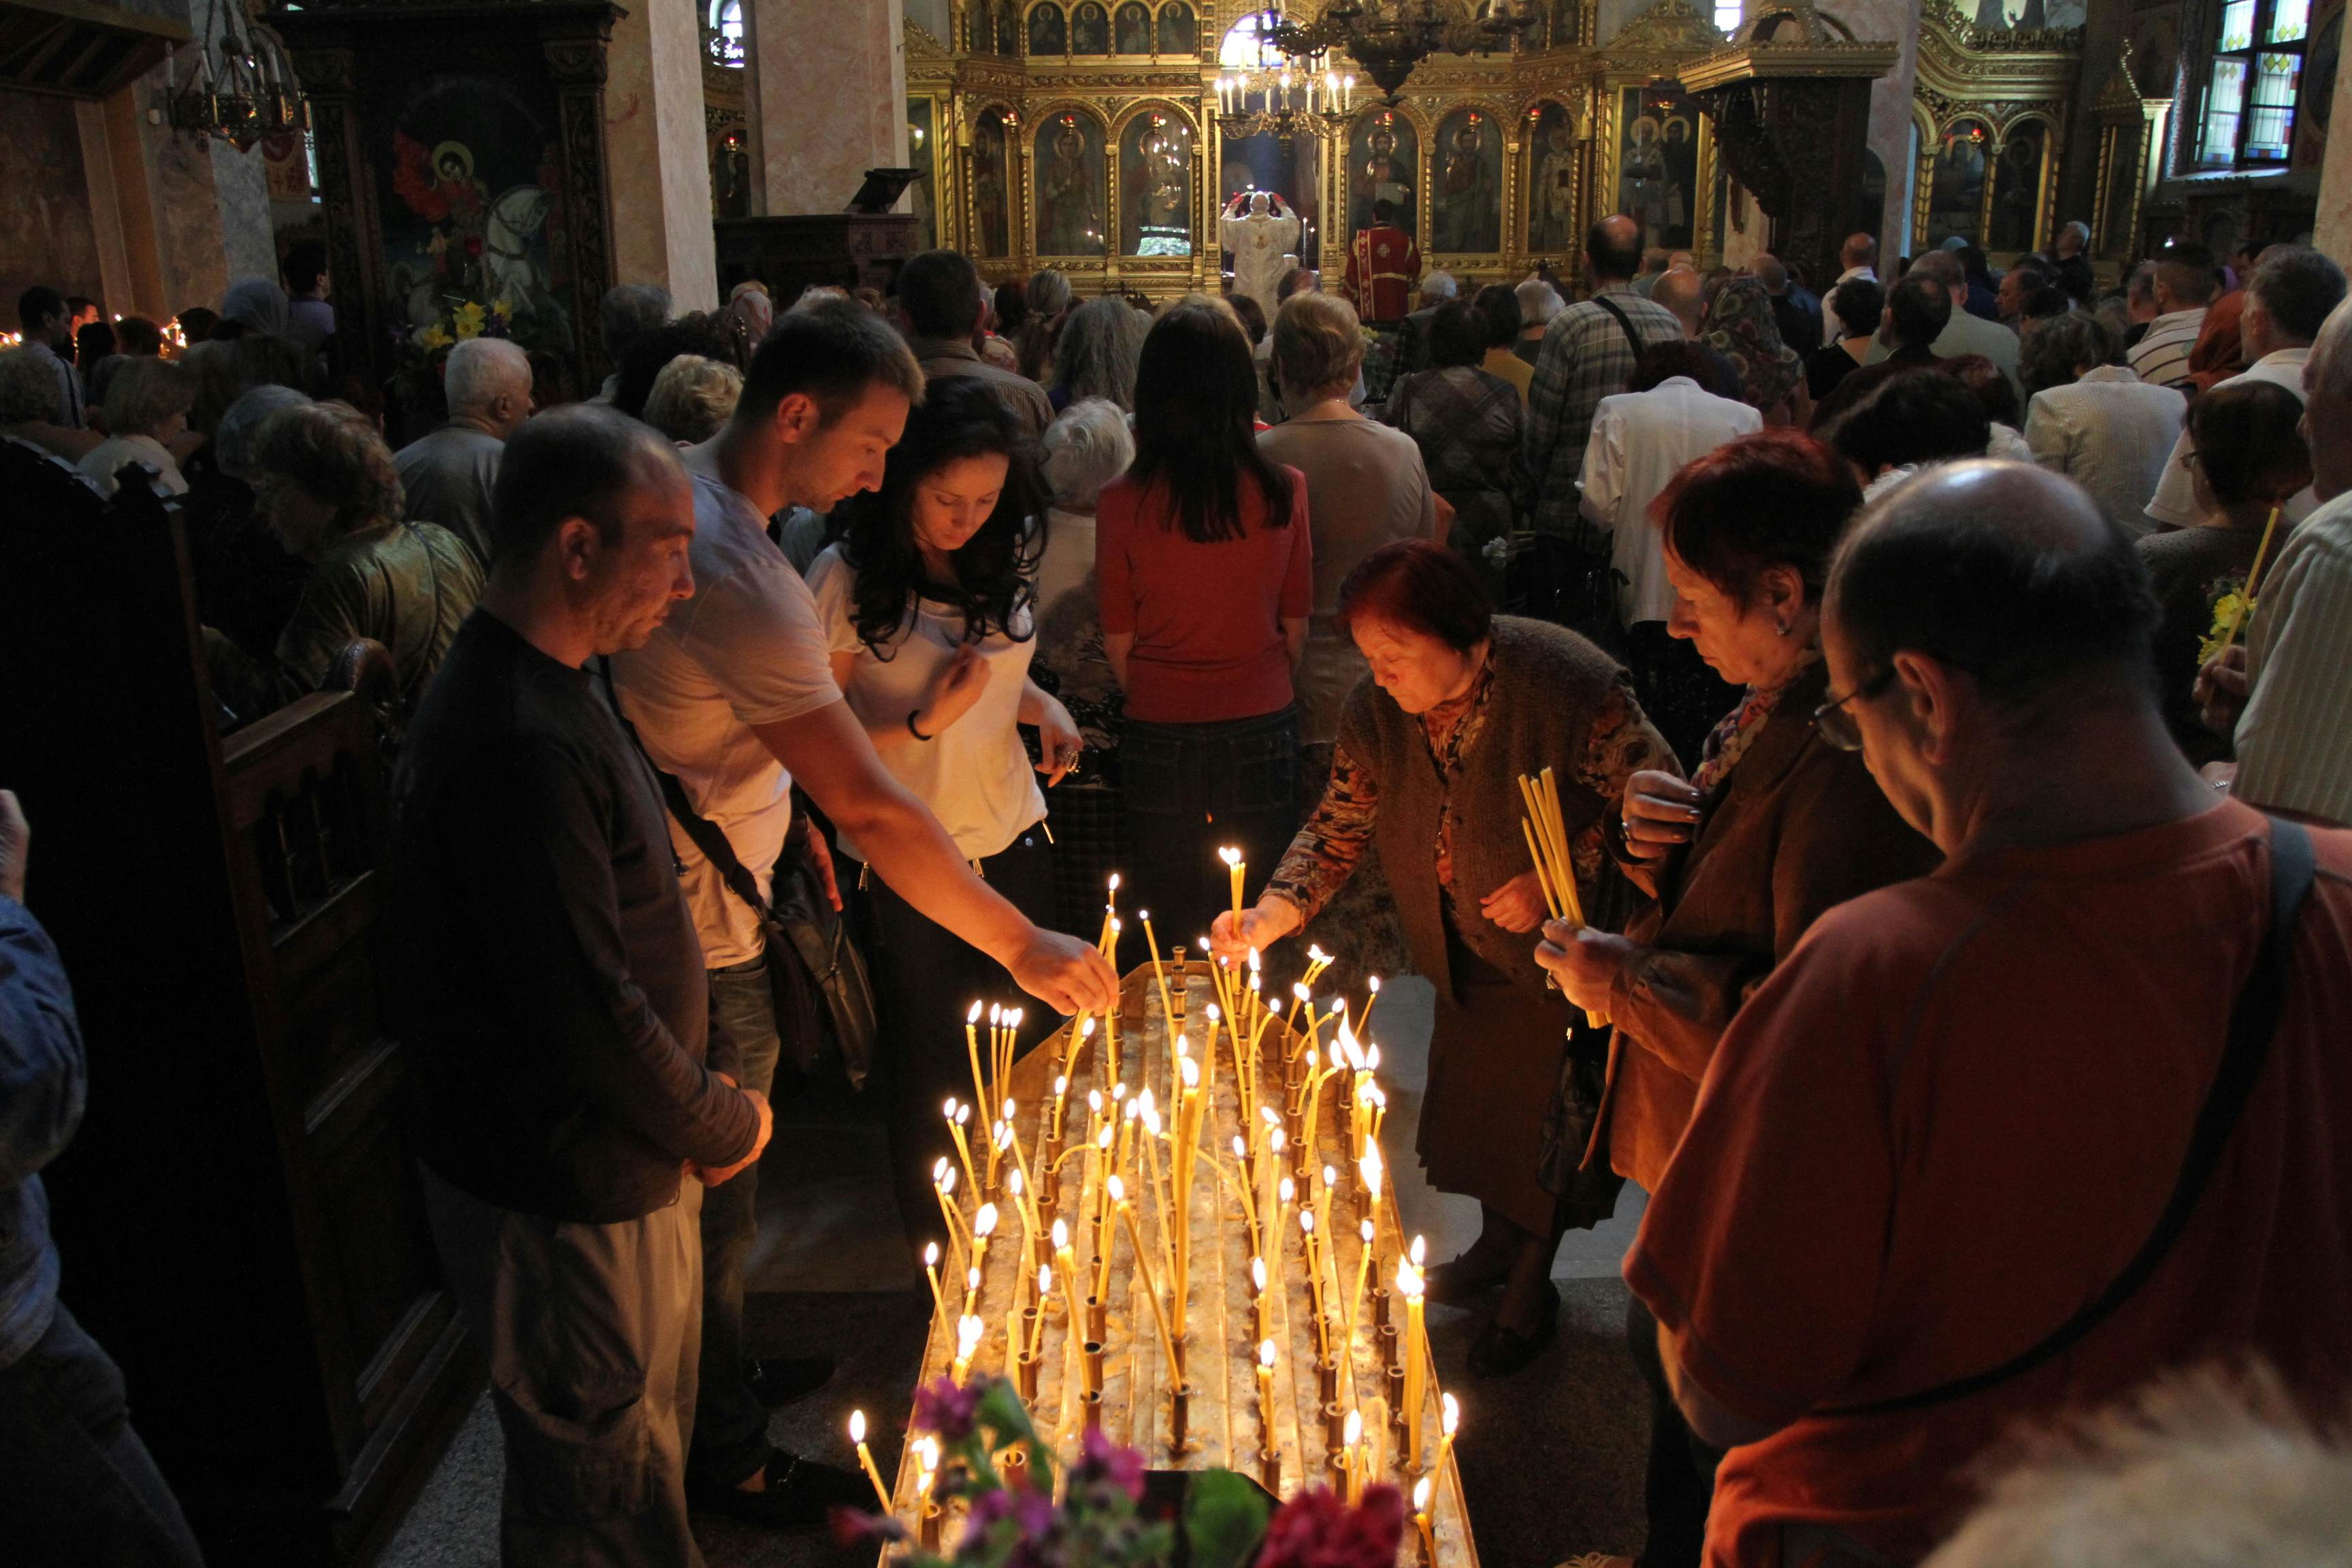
x=1104 y=1460
x=1316 y=1530
x=944 y=1408
x=851 y=1526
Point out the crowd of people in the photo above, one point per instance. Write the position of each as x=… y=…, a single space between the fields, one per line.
x=1939 y=673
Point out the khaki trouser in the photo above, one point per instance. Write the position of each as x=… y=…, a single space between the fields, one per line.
x=591 y=1332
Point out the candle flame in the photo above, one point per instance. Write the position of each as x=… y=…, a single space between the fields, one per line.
x=963 y=1115
x=1420 y=1250
x=1273 y=1117
x=1191 y=1071
x=1143 y=915
x=1330 y=1176
x=1351 y=1431
x=1266 y=1354
x=968 y=1334
x=1370 y=1165
x=1094 y=1101
x=1013 y=1016
x=1103 y=1139
x=995 y=1014
x=1114 y=881
x=948 y=1182
x=1306 y=1221
x=1013 y=1184
x=1086 y=1029
x=1275 y=1140
x=1258 y=1277
x=947 y=1108
x=1061 y=1086
x=1061 y=1233
x=1203 y=942
x=984 y=1221
x=1229 y=855
x=1287 y=1191
x=1118 y=1191
x=972 y=1279
x=932 y=1255
x=1372 y=983
x=1365 y=1230
x=1045 y=1281
x=1421 y=1495
x=1408 y=1281
x=1451 y=1420
x=1253 y=962
x=1372 y=1059
x=972 y=1017
x=1240 y=1149
x=1214 y=1013
x=938 y=1168
x=1298 y=989
x=1009 y=1108
x=858 y=1427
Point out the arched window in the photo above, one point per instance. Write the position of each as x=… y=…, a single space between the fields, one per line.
x=1248 y=44
x=722 y=32
x=2252 y=84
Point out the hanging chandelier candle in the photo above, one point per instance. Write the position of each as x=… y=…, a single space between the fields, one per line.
x=241 y=88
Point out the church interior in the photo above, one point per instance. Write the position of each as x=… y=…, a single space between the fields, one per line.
x=240 y=1216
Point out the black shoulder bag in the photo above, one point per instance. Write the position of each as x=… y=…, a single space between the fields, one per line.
x=823 y=999
x=2253 y=1023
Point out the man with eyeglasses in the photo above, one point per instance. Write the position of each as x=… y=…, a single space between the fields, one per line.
x=1936 y=1179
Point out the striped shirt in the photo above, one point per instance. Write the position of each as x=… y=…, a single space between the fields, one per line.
x=2294 y=737
x=1586 y=357
x=2160 y=358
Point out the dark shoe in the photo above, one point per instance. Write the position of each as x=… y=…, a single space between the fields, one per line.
x=800 y=1493
x=1455 y=1285
x=777 y=1380
x=1500 y=1351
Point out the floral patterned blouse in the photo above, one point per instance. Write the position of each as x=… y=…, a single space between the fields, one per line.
x=1331 y=844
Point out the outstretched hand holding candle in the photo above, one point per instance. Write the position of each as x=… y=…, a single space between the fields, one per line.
x=1267 y=921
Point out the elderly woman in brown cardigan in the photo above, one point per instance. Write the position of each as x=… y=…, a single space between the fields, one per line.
x=1459 y=703
x=1779 y=822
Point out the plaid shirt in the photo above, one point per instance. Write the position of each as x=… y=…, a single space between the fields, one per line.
x=1585 y=358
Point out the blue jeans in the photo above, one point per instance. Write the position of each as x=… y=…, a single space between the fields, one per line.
x=1191 y=789
x=730 y=1425
x=75 y=1483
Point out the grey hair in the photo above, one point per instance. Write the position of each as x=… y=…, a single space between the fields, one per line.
x=2207 y=1470
x=1098 y=349
x=1085 y=449
x=28 y=388
x=1539 y=301
x=1049 y=293
x=479 y=369
x=627 y=313
x=2079 y=230
x=2328 y=372
x=145 y=393
x=692 y=398
x=1439 y=285
x=239 y=430
x=2141 y=284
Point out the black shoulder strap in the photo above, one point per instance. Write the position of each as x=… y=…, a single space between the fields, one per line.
x=706 y=835
x=1625 y=322
x=2253 y=1023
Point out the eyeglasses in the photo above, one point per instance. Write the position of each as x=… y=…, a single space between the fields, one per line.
x=1836 y=725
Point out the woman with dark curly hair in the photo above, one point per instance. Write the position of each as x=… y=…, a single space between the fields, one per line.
x=1780 y=821
x=929 y=602
x=325 y=481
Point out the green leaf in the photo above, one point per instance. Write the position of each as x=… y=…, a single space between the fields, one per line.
x=1224 y=1519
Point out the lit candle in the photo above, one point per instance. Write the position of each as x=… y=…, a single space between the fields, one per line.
x=1235 y=868
x=1068 y=1261
x=1364 y=1021
x=1151 y=1292
x=957 y=1116
x=1352 y=1434
x=931 y=1272
x=1422 y=1491
x=1449 y=1421
x=865 y=1458
x=1117 y=1191
x=1158 y=975
x=971 y=1049
x=1363 y=1271
x=1416 y=1366
x=1044 y=1289
x=983 y=1226
x=968 y=1329
x=1265 y=1391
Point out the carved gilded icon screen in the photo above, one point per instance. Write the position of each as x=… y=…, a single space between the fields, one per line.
x=1155 y=186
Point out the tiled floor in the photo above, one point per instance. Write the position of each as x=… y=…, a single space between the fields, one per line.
x=1551 y=1460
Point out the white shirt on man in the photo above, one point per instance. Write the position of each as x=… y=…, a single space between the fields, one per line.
x=2294 y=737
x=103 y=462
x=2160 y=358
x=973 y=775
x=2175 y=502
x=747 y=649
x=1640 y=440
x=2112 y=433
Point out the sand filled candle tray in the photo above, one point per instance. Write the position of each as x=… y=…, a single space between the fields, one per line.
x=1159 y=1228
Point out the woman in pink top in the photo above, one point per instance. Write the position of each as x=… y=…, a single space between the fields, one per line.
x=1202 y=562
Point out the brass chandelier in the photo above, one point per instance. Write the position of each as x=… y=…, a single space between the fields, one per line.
x=242 y=87
x=1390 y=38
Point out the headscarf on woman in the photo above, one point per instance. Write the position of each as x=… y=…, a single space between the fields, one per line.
x=257 y=304
x=749 y=315
x=1738 y=325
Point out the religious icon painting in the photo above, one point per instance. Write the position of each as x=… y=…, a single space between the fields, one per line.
x=1089 y=29
x=2017 y=188
x=1467 y=211
x=1552 y=184
x=1131 y=29
x=1008 y=29
x=1049 y=32
x=1956 y=185
x=1657 y=164
x=1155 y=183
x=1179 y=29
x=991 y=191
x=1072 y=177
x=922 y=195
x=472 y=211
x=1383 y=162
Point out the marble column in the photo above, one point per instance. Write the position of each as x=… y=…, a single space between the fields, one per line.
x=654 y=150
x=1890 y=114
x=2332 y=229
x=828 y=91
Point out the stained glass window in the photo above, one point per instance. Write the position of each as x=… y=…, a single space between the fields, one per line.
x=722 y=32
x=2252 y=84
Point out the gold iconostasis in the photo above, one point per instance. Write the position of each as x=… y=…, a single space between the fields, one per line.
x=1086 y=137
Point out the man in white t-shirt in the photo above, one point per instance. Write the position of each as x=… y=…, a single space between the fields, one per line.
x=2287 y=300
x=1856 y=256
x=735 y=698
